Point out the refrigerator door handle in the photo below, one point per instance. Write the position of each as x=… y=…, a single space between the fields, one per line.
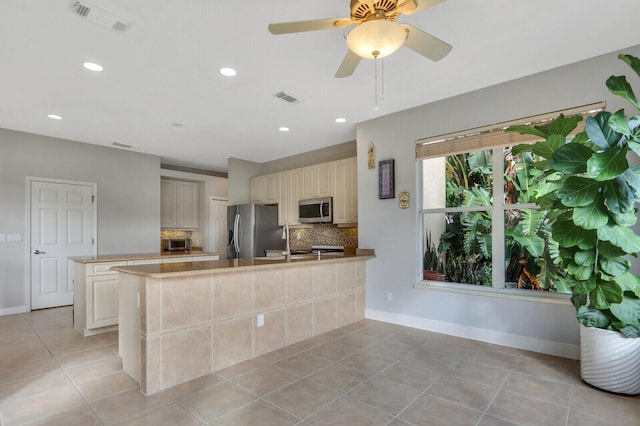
x=238 y=234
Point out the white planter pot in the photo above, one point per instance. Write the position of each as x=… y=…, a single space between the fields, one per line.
x=610 y=361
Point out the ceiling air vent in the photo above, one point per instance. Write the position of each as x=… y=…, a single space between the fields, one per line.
x=288 y=97
x=98 y=15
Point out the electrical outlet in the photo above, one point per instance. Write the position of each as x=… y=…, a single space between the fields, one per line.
x=389 y=297
x=261 y=320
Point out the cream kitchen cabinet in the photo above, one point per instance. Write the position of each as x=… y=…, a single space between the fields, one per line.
x=264 y=189
x=288 y=196
x=316 y=181
x=95 y=297
x=179 y=204
x=345 y=191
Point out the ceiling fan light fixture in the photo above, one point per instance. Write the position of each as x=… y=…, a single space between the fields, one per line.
x=376 y=39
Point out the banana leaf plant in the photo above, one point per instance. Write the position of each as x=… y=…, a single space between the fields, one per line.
x=592 y=193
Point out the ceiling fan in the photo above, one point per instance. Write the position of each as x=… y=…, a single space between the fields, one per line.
x=377 y=34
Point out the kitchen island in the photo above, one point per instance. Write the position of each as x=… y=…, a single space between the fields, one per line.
x=180 y=321
x=95 y=294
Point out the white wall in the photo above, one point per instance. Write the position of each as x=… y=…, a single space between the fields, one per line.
x=395 y=233
x=128 y=198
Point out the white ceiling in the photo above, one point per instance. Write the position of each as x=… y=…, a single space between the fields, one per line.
x=164 y=69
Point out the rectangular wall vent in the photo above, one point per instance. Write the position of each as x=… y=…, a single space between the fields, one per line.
x=98 y=15
x=288 y=97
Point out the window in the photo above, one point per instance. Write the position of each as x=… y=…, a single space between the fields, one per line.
x=479 y=225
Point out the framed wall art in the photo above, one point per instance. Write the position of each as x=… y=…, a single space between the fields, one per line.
x=386 y=179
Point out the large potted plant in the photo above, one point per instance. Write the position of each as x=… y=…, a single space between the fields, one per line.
x=432 y=264
x=590 y=184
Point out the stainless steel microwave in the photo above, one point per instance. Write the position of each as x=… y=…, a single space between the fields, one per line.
x=317 y=210
x=176 y=244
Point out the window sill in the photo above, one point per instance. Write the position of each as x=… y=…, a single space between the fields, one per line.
x=540 y=297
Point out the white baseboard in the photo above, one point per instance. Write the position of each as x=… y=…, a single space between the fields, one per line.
x=14 y=310
x=489 y=336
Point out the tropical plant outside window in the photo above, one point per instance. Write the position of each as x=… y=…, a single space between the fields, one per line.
x=480 y=224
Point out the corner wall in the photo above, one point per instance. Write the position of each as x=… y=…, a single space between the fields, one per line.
x=128 y=199
x=395 y=234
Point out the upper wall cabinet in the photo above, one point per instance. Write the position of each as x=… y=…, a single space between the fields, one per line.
x=179 y=204
x=288 y=196
x=316 y=181
x=264 y=189
x=345 y=191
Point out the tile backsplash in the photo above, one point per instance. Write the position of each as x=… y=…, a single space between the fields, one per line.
x=324 y=234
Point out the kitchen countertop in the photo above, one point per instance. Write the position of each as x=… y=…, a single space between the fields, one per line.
x=137 y=256
x=165 y=270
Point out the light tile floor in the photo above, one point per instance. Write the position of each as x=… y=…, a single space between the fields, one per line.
x=368 y=373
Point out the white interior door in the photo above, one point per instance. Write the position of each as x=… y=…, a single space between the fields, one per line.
x=218 y=226
x=62 y=216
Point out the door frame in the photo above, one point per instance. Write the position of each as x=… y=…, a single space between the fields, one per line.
x=210 y=229
x=27 y=226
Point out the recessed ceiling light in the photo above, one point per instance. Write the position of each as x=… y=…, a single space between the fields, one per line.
x=228 y=72
x=54 y=116
x=92 y=67
x=340 y=120
x=284 y=129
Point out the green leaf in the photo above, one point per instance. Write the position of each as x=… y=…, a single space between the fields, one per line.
x=607 y=249
x=605 y=294
x=579 y=299
x=591 y=216
x=585 y=257
x=556 y=141
x=631 y=331
x=629 y=282
x=584 y=287
x=578 y=191
x=632 y=177
x=632 y=61
x=571 y=158
x=616 y=266
x=599 y=131
x=625 y=219
x=608 y=164
x=619 y=236
x=618 y=85
x=619 y=196
x=627 y=311
x=526 y=130
x=590 y=317
x=567 y=234
x=580 y=272
x=533 y=243
x=618 y=122
x=563 y=125
x=635 y=147
x=521 y=148
x=542 y=149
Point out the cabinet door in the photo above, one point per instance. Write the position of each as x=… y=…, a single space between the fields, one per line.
x=308 y=179
x=324 y=180
x=271 y=188
x=345 y=191
x=284 y=188
x=102 y=300
x=168 y=203
x=258 y=189
x=294 y=196
x=187 y=204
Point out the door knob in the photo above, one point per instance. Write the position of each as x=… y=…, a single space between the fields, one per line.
x=38 y=252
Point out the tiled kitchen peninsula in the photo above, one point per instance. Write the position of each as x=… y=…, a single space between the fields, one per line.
x=181 y=321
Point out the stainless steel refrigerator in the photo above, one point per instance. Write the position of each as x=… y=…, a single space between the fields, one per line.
x=252 y=229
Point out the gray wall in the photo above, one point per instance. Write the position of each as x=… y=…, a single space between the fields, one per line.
x=395 y=233
x=128 y=198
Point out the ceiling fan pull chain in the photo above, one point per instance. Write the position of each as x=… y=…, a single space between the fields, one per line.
x=375 y=82
x=382 y=77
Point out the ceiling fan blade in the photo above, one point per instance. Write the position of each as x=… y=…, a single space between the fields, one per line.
x=313 y=25
x=348 y=65
x=426 y=44
x=409 y=7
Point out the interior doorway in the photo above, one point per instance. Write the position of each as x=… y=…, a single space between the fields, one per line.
x=62 y=223
x=218 y=227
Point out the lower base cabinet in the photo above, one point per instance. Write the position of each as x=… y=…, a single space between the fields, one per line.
x=95 y=297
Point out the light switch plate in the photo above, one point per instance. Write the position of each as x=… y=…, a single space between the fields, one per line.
x=3 y=238
x=261 y=320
